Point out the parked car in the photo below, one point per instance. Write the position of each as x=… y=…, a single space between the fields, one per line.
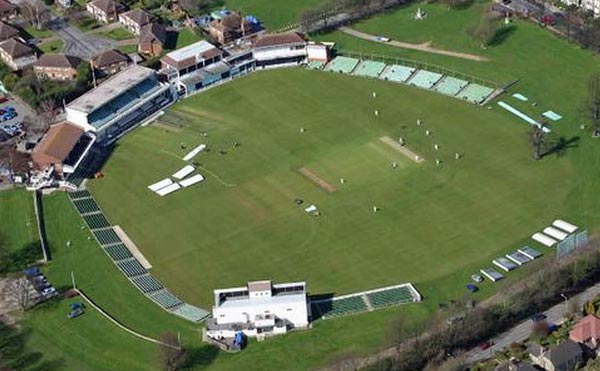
x=49 y=291
x=485 y=345
x=538 y=317
x=472 y=288
x=75 y=313
x=477 y=278
x=76 y=305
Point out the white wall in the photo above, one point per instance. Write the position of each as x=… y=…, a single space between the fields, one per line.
x=296 y=312
x=78 y=118
x=279 y=52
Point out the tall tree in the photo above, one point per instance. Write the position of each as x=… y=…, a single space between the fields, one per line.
x=593 y=103
x=171 y=355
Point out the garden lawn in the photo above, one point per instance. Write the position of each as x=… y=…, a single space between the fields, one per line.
x=274 y=15
x=17 y=219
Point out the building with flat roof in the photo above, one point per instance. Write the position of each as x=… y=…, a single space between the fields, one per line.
x=190 y=58
x=259 y=308
x=120 y=103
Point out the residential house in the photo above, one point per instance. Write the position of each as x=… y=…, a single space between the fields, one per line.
x=62 y=148
x=110 y=62
x=7 y=31
x=105 y=11
x=562 y=357
x=152 y=39
x=229 y=28
x=16 y=54
x=7 y=10
x=57 y=67
x=514 y=366
x=135 y=19
x=587 y=332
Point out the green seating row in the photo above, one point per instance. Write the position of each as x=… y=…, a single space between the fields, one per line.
x=147 y=283
x=425 y=79
x=369 y=69
x=96 y=221
x=131 y=267
x=190 y=312
x=393 y=296
x=342 y=65
x=118 y=252
x=450 y=86
x=86 y=205
x=397 y=73
x=340 y=307
x=165 y=299
x=106 y=236
x=315 y=65
x=79 y=194
x=475 y=93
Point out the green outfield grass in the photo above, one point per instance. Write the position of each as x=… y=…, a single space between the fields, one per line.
x=274 y=15
x=17 y=219
x=436 y=226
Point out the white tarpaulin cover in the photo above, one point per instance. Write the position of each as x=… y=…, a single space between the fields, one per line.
x=185 y=171
x=158 y=185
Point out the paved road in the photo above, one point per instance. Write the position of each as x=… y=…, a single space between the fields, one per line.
x=421 y=47
x=522 y=331
x=77 y=43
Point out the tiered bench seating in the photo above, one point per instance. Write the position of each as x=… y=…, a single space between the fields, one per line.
x=397 y=73
x=118 y=252
x=530 y=252
x=86 y=205
x=425 y=79
x=106 y=236
x=131 y=267
x=165 y=299
x=79 y=194
x=342 y=65
x=450 y=86
x=389 y=297
x=475 y=93
x=504 y=264
x=190 y=312
x=96 y=221
x=518 y=257
x=315 y=65
x=147 y=283
x=340 y=307
x=369 y=69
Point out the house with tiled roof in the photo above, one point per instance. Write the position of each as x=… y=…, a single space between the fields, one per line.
x=110 y=62
x=587 y=332
x=135 y=19
x=62 y=148
x=57 y=67
x=562 y=357
x=7 y=31
x=152 y=39
x=231 y=27
x=7 y=10
x=16 y=54
x=279 y=49
x=105 y=11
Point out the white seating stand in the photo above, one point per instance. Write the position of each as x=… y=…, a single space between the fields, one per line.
x=543 y=239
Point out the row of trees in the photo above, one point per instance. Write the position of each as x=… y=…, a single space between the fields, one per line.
x=440 y=349
x=334 y=12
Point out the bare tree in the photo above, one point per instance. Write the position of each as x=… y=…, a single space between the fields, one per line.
x=485 y=30
x=593 y=103
x=19 y=292
x=17 y=162
x=537 y=138
x=35 y=13
x=170 y=352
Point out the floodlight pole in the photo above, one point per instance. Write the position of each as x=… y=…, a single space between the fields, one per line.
x=73 y=280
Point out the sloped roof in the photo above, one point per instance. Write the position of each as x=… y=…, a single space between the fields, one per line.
x=109 y=57
x=279 y=39
x=107 y=6
x=138 y=16
x=7 y=31
x=15 y=48
x=56 y=144
x=153 y=32
x=587 y=328
x=564 y=352
x=58 y=61
x=5 y=6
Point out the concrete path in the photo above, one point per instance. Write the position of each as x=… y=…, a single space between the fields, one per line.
x=425 y=47
x=522 y=331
